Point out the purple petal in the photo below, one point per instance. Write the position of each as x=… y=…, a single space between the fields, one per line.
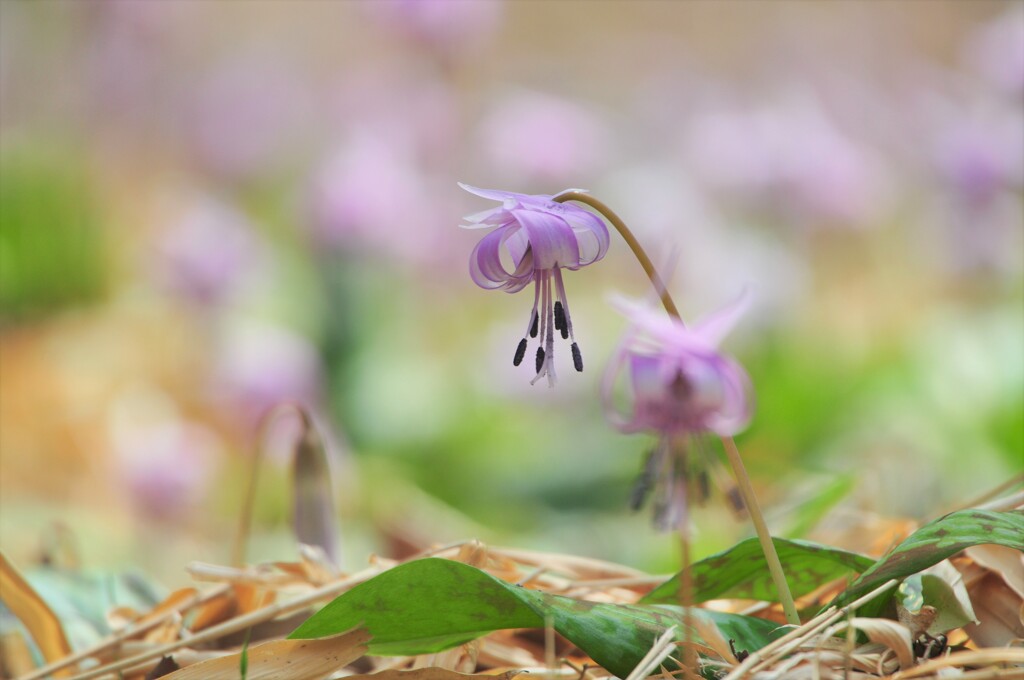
x=736 y=407
x=488 y=272
x=591 y=233
x=714 y=327
x=717 y=392
x=551 y=239
x=655 y=327
x=646 y=374
x=493 y=217
x=504 y=197
x=647 y=378
x=518 y=245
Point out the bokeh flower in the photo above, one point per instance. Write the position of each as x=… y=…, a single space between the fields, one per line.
x=207 y=251
x=259 y=366
x=165 y=463
x=681 y=387
x=543 y=138
x=541 y=237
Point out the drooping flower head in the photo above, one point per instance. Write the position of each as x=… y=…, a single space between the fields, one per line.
x=680 y=387
x=540 y=237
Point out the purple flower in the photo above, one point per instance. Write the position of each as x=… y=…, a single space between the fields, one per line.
x=542 y=137
x=681 y=387
x=541 y=237
x=207 y=252
x=259 y=366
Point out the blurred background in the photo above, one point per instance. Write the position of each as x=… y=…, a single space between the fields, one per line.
x=209 y=208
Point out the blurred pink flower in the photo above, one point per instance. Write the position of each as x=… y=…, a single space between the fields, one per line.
x=206 y=251
x=981 y=155
x=680 y=387
x=680 y=383
x=411 y=107
x=543 y=139
x=541 y=237
x=364 y=189
x=370 y=195
x=258 y=366
x=978 y=161
x=789 y=159
x=165 y=464
x=445 y=26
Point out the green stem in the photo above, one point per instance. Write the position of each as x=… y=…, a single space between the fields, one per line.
x=731 y=452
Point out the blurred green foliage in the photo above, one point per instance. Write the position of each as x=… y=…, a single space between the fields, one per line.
x=51 y=244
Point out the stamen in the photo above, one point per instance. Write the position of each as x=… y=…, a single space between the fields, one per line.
x=540 y=359
x=735 y=499
x=533 y=328
x=703 y=486
x=644 y=482
x=562 y=308
x=549 y=338
x=520 y=353
x=577 y=358
x=560 y=319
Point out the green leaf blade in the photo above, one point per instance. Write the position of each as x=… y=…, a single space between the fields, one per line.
x=741 y=572
x=937 y=541
x=434 y=604
x=402 y=606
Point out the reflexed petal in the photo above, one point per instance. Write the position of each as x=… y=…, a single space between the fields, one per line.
x=652 y=326
x=485 y=265
x=658 y=349
x=518 y=244
x=504 y=196
x=591 y=233
x=494 y=217
x=647 y=377
x=551 y=239
x=737 y=406
x=714 y=327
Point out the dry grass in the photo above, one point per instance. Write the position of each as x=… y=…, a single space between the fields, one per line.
x=194 y=625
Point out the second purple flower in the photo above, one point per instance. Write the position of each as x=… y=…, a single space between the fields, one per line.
x=540 y=237
x=681 y=387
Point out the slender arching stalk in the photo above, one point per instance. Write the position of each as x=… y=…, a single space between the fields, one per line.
x=731 y=452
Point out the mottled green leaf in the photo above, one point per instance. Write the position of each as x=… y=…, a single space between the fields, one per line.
x=741 y=571
x=433 y=604
x=937 y=541
x=423 y=607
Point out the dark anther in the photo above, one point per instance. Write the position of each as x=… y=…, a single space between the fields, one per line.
x=560 y=317
x=644 y=481
x=577 y=358
x=520 y=353
x=741 y=654
x=735 y=499
x=703 y=486
x=540 y=358
x=641 y=487
x=533 y=328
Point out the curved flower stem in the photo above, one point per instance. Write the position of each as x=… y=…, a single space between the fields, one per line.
x=627 y=236
x=731 y=452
